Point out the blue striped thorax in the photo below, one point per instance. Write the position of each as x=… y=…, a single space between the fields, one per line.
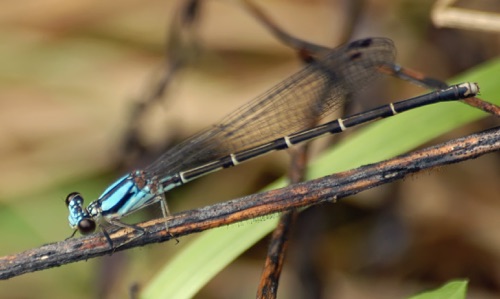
x=128 y=194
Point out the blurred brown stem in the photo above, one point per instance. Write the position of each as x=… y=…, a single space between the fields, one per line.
x=276 y=253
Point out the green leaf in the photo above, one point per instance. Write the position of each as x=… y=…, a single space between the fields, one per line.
x=451 y=290
x=192 y=268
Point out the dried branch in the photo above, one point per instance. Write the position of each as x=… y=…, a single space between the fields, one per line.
x=327 y=189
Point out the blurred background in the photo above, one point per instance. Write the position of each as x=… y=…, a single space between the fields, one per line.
x=72 y=73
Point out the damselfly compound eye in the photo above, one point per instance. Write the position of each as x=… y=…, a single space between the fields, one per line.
x=74 y=196
x=86 y=226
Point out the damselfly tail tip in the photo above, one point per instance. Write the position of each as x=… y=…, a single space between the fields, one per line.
x=472 y=89
x=475 y=88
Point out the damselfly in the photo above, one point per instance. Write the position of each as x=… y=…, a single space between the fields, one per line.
x=280 y=118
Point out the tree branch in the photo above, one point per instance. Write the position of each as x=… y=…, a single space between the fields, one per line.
x=327 y=189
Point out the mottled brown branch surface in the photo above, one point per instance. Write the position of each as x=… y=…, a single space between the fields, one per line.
x=326 y=189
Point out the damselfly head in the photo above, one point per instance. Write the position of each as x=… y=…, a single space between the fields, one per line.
x=79 y=217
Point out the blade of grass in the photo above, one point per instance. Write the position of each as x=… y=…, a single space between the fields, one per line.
x=452 y=290
x=191 y=269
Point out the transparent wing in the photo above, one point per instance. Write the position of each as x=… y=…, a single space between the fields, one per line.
x=295 y=104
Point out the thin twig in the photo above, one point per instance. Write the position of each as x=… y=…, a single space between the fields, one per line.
x=327 y=189
x=182 y=48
